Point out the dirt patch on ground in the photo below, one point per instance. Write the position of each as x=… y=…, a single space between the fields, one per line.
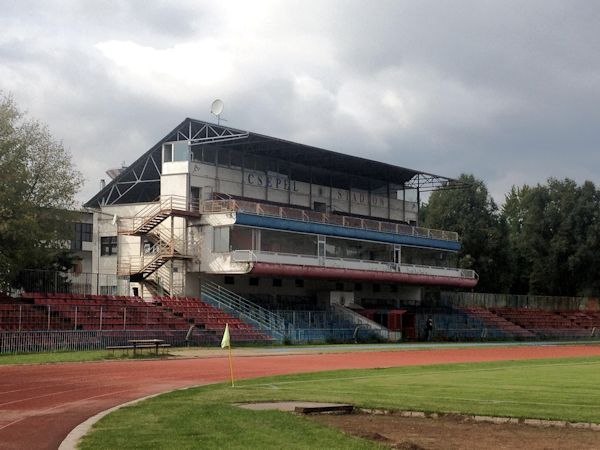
x=454 y=433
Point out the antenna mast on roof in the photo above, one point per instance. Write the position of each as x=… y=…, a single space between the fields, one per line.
x=216 y=109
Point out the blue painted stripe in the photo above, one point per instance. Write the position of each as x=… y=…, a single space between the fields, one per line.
x=335 y=230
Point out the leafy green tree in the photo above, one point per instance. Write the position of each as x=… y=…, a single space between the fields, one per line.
x=472 y=213
x=554 y=238
x=38 y=183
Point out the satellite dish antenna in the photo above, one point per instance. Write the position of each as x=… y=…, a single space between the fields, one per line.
x=217 y=109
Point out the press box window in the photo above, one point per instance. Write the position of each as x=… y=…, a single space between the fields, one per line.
x=108 y=245
x=167 y=152
x=176 y=151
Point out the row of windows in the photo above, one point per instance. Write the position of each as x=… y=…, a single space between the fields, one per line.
x=299 y=283
x=243 y=238
x=254 y=281
x=84 y=233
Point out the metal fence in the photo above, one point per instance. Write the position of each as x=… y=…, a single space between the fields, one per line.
x=46 y=341
x=332 y=335
x=456 y=326
x=73 y=283
x=314 y=319
x=53 y=317
x=488 y=300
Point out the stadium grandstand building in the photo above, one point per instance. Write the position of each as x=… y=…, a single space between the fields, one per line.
x=281 y=241
x=285 y=225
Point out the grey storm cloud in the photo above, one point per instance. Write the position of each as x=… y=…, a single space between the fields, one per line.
x=506 y=90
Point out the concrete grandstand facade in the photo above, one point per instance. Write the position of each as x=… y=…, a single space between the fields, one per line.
x=287 y=225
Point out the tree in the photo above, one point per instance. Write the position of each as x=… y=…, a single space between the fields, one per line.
x=554 y=238
x=38 y=183
x=483 y=232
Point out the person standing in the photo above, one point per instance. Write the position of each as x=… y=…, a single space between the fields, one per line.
x=429 y=328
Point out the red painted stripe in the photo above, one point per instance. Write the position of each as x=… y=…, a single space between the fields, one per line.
x=288 y=270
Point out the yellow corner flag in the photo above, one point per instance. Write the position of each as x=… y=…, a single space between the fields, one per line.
x=226 y=343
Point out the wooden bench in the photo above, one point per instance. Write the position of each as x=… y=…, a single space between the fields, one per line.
x=139 y=345
x=148 y=343
x=125 y=348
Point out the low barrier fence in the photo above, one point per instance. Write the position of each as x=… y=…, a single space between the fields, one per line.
x=490 y=300
x=48 y=341
x=36 y=317
x=332 y=335
x=313 y=319
x=442 y=334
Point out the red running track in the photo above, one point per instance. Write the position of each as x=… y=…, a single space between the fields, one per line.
x=41 y=404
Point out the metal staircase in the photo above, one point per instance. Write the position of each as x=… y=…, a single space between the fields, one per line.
x=244 y=309
x=155 y=284
x=156 y=289
x=144 y=265
x=154 y=214
x=165 y=246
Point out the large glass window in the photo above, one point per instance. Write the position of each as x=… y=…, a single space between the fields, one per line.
x=428 y=257
x=83 y=233
x=108 y=245
x=348 y=248
x=181 y=151
x=282 y=242
x=167 y=152
x=241 y=238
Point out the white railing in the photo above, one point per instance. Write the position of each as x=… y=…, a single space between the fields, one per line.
x=244 y=309
x=416 y=269
x=244 y=256
x=166 y=205
x=347 y=263
x=261 y=209
x=173 y=248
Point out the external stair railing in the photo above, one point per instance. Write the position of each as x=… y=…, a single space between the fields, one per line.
x=153 y=258
x=153 y=214
x=244 y=309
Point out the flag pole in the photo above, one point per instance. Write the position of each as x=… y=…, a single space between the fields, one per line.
x=231 y=367
x=226 y=342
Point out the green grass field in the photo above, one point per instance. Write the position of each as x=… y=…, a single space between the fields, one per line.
x=71 y=356
x=565 y=389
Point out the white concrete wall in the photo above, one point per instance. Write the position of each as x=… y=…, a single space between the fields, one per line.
x=104 y=227
x=174 y=184
x=277 y=188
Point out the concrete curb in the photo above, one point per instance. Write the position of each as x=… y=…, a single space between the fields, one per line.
x=487 y=419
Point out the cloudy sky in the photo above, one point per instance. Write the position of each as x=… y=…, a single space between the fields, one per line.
x=506 y=90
